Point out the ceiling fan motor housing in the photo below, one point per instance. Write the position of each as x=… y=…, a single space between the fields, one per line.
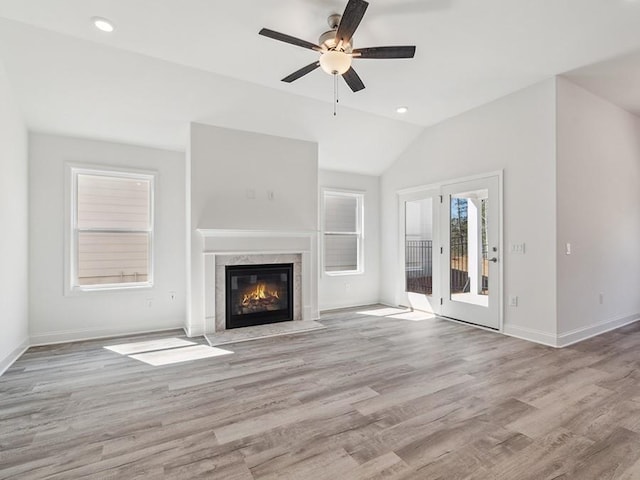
x=328 y=41
x=334 y=20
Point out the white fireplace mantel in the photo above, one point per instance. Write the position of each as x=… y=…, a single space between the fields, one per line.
x=226 y=233
x=209 y=244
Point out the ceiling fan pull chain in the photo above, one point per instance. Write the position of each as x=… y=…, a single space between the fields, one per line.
x=335 y=95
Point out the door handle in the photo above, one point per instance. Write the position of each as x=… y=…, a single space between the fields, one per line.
x=494 y=260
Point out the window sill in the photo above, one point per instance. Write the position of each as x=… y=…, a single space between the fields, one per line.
x=344 y=274
x=76 y=290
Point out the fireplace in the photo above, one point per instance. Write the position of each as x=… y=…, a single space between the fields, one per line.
x=258 y=294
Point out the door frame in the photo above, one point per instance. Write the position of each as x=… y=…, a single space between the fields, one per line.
x=413 y=193
x=419 y=193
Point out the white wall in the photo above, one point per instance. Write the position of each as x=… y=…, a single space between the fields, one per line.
x=364 y=288
x=14 y=239
x=56 y=317
x=230 y=166
x=226 y=163
x=515 y=133
x=598 y=171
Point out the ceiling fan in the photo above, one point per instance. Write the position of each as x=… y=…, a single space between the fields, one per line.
x=336 y=47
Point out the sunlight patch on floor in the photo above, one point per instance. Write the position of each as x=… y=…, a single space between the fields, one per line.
x=166 y=351
x=177 y=355
x=399 y=313
x=415 y=316
x=384 y=312
x=149 y=345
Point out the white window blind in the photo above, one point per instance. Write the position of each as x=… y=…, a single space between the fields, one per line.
x=113 y=229
x=342 y=232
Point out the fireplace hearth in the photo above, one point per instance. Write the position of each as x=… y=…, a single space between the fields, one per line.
x=258 y=294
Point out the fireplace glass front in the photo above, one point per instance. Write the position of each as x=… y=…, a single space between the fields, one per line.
x=258 y=294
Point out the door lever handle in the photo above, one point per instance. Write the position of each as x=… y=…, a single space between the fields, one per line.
x=494 y=260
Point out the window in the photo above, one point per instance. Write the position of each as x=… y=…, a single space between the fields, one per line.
x=112 y=223
x=343 y=212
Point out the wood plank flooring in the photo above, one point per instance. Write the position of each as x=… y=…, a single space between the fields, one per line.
x=367 y=398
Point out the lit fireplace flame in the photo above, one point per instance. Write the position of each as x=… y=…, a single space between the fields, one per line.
x=259 y=293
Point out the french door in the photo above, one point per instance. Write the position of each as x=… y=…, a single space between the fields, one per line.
x=470 y=235
x=451 y=251
x=419 y=214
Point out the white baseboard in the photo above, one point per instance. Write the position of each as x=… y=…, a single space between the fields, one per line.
x=9 y=360
x=580 y=334
x=66 y=336
x=531 y=335
x=353 y=304
x=571 y=337
x=194 y=332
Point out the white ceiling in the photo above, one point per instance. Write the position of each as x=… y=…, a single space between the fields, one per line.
x=78 y=88
x=170 y=62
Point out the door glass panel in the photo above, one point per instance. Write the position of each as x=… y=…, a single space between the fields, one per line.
x=419 y=246
x=469 y=269
x=484 y=288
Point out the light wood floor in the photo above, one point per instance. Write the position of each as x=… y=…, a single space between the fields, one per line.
x=368 y=397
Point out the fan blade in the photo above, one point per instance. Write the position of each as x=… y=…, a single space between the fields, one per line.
x=353 y=13
x=353 y=80
x=301 y=73
x=289 y=39
x=407 y=51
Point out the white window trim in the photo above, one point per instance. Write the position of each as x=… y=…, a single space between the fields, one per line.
x=71 y=189
x=360 y=196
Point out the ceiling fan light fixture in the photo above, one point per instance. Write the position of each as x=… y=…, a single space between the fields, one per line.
x=335 y=62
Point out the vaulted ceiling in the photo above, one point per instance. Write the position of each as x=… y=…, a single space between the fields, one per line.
x=170 y=62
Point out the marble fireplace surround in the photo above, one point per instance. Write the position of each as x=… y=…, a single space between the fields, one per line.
x=251 y=259
x=246 y=247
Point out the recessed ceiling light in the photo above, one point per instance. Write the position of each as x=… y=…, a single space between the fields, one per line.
x=103 y=24
x=402 y=109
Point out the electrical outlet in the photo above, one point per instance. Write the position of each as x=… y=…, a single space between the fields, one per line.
x=517 y=248
x=172 y=296
x=513 y=301
x=568 y=249
x=149 y=302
